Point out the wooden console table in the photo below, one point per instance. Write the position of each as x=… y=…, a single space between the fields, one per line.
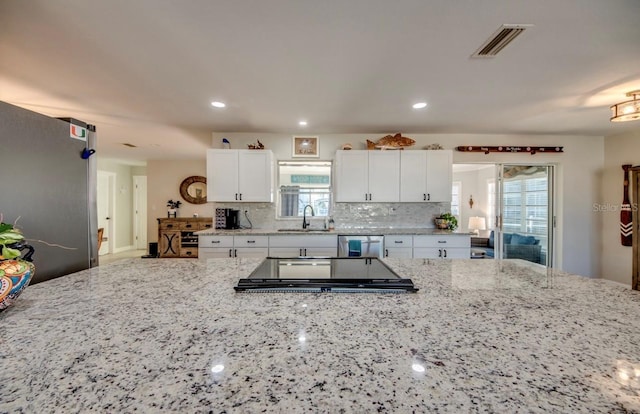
x=176 y=238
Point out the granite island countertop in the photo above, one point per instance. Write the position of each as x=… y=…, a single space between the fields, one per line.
x=169 y=335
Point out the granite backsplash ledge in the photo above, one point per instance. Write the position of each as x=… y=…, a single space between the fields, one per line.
x=345 y=215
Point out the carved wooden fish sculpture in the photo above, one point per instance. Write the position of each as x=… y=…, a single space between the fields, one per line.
x=391 y=141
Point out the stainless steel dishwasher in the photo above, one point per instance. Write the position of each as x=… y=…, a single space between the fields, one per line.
x=360 y=246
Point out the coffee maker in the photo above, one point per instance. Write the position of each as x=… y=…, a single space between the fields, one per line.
x=227 y=218
x=231 y=219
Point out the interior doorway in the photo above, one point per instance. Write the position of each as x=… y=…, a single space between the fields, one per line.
x=507 y=200
x=525 y=206
x=106 y=195
x=140 y=211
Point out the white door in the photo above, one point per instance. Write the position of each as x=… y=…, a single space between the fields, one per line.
x=413 y=176
x=439 y=175
x=222 y=175
x=140 y=211
x=105 y=203
x=524 y=228
x=255 y=171
x=384 y=176
x=352 y=176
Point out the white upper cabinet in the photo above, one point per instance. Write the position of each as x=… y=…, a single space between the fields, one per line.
x=363 y=175
x=239 y=175
x=425 y=175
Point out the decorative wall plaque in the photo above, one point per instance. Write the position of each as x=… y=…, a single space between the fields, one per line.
x=507 y=148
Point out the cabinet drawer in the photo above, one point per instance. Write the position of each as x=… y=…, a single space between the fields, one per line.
x=188 y=252
x=169 y=225
x=189 y=225
x=396 y=240
x=215 y=241
x=251 y=241
x=204 y=225
x=442 y=241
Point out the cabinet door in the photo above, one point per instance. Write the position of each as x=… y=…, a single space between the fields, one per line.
x=413 y=176
x=222 y=175
x=214 y=253
x=320 y=251
x=285 y=251
x=384 y=176
x=457 y=253
x=251 y=252
x=169 y=244
x=399 y=252
x=352 y=176
x=428 y=253
x=255 y=176
x=439 y=175
x=398 y=245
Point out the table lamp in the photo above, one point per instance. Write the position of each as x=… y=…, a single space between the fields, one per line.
x=476 y=224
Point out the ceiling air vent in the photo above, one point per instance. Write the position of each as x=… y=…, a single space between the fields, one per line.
x=499 y=40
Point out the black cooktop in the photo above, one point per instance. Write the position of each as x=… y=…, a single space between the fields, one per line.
x=331 y=274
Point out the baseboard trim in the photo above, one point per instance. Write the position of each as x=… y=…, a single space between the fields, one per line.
x=124 y=249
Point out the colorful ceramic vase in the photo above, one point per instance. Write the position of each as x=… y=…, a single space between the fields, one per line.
x=15 y=275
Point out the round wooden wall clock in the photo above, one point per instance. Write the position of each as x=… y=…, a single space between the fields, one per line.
x=194 y=189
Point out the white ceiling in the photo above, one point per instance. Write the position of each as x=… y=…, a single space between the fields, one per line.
x=145 y=71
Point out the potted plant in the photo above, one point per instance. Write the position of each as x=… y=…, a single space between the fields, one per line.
x=173 y=208
x=446 y=221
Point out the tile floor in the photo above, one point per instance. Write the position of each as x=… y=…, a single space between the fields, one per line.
x=108 y=258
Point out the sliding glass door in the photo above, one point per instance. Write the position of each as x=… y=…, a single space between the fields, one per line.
x=524 y=213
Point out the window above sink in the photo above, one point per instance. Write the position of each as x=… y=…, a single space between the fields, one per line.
x=302 y=183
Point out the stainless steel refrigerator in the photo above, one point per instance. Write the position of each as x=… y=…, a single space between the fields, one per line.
x=48 y=184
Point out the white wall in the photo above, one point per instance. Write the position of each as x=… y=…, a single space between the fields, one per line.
x=163 y=184
x=617 y=259
x=579 y=168
x=474 y=183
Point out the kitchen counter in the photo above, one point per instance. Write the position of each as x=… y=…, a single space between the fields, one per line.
x=346 y=232
x=156 y=335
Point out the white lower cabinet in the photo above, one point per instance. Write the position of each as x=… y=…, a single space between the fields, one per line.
x=216 y=247
x=442 y=247
x=307 y=245
x=400 y=246
x=250 y=246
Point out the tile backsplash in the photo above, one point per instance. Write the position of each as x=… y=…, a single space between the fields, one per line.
x=345 y=215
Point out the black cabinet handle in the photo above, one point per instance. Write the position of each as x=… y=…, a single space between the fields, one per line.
x=424 y=197
x=386 y=252
x=445 y=252
x=439 y=252
x=442 y=241
x=230 y=252
x=236 y=196
x=428 y=197
x=215 y=241
x=398 y=241
x=240 y=196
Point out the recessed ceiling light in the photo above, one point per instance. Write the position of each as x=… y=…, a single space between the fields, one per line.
x=218 y=104
x=302 y=123
x=419 y=105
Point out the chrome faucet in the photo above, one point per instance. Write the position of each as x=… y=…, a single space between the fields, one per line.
x=304 y=216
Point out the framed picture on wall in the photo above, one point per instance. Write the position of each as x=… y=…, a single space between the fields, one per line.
x=306 y=147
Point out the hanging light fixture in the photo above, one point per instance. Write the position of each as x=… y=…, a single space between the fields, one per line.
x=627 y=110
